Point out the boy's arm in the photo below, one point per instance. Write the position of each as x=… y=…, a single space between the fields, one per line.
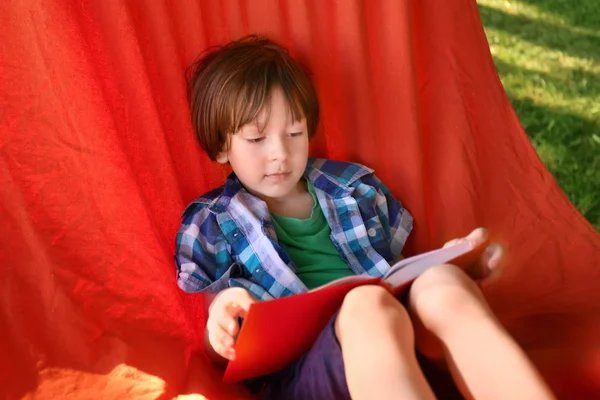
x=197 y=267
x=202 y=257
x=224 y=313
x=210 y=351
x=204 y=264
x=397 y=222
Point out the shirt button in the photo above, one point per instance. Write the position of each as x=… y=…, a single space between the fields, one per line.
x=236 y=234
x=372 y=232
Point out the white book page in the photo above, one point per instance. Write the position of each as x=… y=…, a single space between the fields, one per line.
x=408 y=269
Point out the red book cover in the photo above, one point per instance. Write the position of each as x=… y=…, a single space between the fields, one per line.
x=277 y=332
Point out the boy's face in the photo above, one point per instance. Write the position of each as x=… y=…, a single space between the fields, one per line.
x=269 y=157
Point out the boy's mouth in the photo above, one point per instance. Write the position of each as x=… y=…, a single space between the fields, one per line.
x=278 y=175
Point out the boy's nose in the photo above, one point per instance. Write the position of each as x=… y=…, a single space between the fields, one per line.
x=279 y=150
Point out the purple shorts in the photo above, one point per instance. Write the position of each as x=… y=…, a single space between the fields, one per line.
x=318 y=374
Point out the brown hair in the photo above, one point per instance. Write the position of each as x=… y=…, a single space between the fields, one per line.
x=229 y=85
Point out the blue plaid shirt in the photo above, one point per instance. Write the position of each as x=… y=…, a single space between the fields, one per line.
x=227 y=237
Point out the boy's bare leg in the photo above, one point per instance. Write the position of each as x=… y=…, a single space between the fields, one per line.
x=377 y=340
x=484 y=360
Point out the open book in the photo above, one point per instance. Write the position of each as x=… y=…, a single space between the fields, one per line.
x=277 y=332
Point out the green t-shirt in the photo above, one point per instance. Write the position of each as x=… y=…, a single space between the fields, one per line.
x=308 y=244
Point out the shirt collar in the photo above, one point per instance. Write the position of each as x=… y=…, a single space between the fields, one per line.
x=333 y=177
x=231 y=188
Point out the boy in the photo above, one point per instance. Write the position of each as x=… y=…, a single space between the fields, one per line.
x=284 y=223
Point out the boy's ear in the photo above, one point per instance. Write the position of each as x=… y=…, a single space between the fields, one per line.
x=222 y=157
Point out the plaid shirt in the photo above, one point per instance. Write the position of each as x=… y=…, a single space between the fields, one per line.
x=227 y=236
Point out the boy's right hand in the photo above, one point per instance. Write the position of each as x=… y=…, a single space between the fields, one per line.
x=491 y=265
x=222 y=325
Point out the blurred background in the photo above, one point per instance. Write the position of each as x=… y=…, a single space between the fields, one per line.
x=547 y=53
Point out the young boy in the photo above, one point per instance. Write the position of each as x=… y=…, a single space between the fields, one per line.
x=283 y=224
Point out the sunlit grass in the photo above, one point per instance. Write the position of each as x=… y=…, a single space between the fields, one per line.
x=547 y=53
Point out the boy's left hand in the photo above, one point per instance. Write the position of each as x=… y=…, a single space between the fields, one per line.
x=490 y=266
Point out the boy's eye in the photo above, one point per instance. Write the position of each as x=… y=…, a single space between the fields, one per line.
x=294 y=134
x=256 y=140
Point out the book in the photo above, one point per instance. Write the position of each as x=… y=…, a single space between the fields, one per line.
x=277 y=332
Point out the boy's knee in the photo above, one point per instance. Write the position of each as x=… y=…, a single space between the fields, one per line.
x=446 y=295
x=370 y=308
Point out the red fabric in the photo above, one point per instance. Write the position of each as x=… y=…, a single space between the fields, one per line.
x=98 y=160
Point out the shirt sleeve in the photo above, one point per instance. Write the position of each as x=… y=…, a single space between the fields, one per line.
x=396 y=221
x=203 y=261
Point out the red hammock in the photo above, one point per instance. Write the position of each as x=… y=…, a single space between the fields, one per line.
x=98 y=160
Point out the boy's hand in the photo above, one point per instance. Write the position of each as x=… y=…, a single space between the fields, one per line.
x=222 y=325
x=490 y=265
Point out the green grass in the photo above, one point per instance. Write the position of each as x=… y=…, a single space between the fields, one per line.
x=547 y=53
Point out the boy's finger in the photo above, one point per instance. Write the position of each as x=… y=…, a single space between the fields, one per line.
x=212 y=324
x=478 y=236
x=495 y=263
x=222 y=343
x=493 y=256
x=236 y=310
x=490 y=265
x=218 y=334
x=222 y=350
x=243 y=303
x=228 y=322
x=224 y=337
x=452 y=242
